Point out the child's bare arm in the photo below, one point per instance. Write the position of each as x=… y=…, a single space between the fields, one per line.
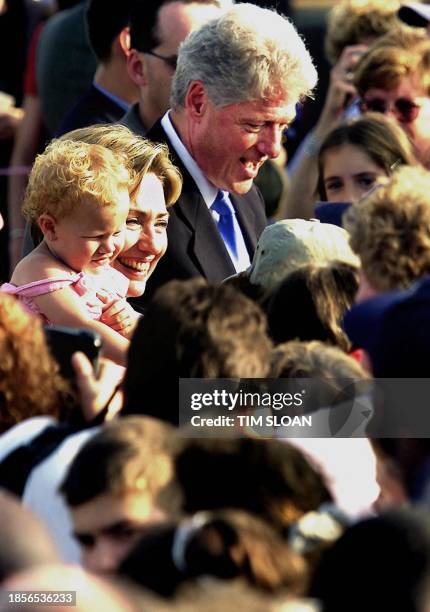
x=65 y=307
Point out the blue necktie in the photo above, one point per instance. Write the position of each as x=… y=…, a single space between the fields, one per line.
x=225 y=221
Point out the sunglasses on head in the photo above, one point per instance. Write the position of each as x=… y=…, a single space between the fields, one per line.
x=406 y=110
x=170 y=60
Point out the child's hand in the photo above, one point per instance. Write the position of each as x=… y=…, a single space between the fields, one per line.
x=121 y=317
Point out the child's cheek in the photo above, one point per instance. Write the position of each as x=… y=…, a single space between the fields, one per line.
x=119 y=243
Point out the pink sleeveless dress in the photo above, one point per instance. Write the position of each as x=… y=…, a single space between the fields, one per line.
x=86 y=286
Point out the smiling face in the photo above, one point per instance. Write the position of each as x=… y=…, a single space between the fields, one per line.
x=91 y=237
x=146 y=235
x=348 y=173
x=231 y=143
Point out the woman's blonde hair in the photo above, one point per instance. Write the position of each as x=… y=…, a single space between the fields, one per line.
x=141 y=155
x=390 y=230
x=70 y=174
x=30 y=383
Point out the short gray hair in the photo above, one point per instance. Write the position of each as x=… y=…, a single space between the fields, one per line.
x=246 y=54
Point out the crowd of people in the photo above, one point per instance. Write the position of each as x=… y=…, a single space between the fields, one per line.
x=142 y=236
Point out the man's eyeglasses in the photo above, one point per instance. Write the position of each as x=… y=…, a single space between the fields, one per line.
x=405 y=110
x=171 y=60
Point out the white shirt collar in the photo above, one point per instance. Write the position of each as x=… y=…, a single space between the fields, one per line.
x=206 y=188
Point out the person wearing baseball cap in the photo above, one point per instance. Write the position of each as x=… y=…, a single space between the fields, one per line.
x=416 y=14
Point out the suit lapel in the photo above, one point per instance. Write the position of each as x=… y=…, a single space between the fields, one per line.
x=246 y=217
x=208 y=246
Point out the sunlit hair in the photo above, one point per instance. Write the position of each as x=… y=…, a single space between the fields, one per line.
x=314 y=360
x=141 y=155
x=403 y=53
x=390 y=230
x=30 y=383
x=132 y=454
x=380 y=138
x=246 y=54
x=352 y=22
x=68 y=175
x=224 y=544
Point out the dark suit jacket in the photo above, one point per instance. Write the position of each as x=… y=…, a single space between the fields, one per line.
x=195 y=245
x=93 y=107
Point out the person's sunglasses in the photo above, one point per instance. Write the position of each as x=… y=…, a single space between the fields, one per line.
x=405 y=110
x=171 y=60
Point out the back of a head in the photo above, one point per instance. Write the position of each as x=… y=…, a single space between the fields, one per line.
x=353 y=22
x=28 y=386
x=193 y=330
x=226 y=544
x=313 y=359
x=143 y=24
x=25 y=541
x=394 y=551
x=332 y=378
x=390 y=230
x=104 y=21
x=268 y=478
x=246 y=54
x=310 y=304
x=131 y=454
x=286 y=245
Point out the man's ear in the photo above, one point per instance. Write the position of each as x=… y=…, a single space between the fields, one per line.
x=120 y=47
x=196 y=100
x=136 y=67
x=124 y=40
x=48 y=226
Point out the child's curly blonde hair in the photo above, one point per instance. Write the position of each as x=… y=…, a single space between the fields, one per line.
x=68 y=174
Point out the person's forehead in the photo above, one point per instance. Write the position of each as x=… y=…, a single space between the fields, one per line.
x=408 y=86
x=90 y=217
x=348 y=157
x=149 y=197
x=105 y=510
x=277 y=109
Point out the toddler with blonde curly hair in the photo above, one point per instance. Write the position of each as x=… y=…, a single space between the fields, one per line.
x=78 y=194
